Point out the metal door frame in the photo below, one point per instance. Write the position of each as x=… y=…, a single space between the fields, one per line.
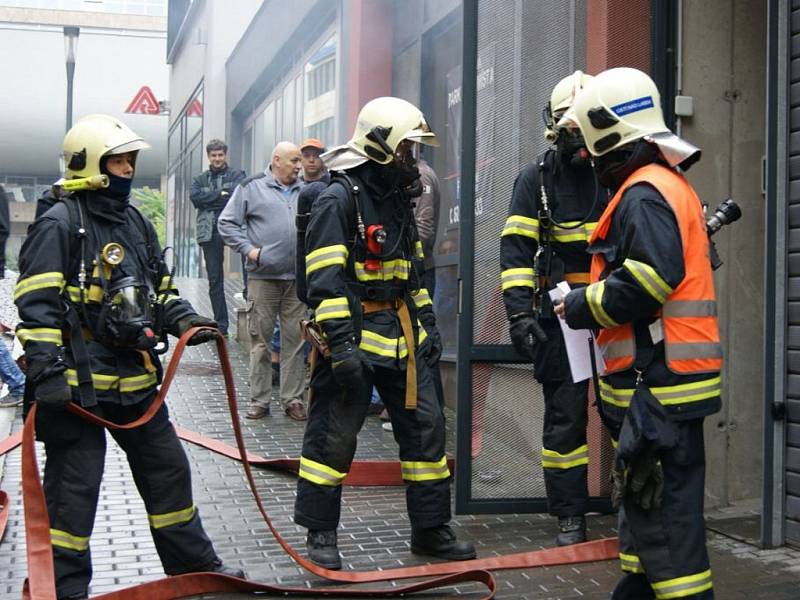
x=663 y=35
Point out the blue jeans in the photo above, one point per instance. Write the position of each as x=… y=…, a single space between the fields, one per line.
x=10 y=373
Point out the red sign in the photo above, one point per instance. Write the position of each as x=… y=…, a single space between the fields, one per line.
x=144 y=103
x=195 y=109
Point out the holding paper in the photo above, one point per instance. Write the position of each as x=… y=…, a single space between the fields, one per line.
x=580 y=362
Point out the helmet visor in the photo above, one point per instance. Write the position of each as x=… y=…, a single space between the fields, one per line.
x=131 y=146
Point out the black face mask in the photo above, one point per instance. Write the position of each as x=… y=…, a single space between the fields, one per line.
x=118 y=187
x=616 y=166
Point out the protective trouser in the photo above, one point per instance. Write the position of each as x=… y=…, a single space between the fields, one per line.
x=666 y=547
x=73 y=472
x=334 y=420
x=565 y=454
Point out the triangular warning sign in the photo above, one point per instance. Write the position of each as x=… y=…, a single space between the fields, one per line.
x=195 y=109
x=144 y=103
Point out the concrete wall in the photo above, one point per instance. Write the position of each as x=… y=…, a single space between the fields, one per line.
x=723 y=68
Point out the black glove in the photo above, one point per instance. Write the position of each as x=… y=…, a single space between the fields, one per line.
x=435 y=349
x=642 y=481
x=201 y=337
x=51 y=389
x=349 y=369
x=525 y=333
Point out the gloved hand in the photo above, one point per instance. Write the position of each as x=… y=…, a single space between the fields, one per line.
x=349 y=370
x=642 y=481
x=435 y=349
x=53 y=391
x=525 y=333
x=201 y=337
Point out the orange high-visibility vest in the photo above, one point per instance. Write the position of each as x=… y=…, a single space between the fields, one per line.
x=689 y=314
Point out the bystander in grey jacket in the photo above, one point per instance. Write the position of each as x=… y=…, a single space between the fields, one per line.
x=260 y=214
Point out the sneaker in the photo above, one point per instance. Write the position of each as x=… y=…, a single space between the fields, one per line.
x=572 y=530
x=440 y=542
x=322 y=548
x=10 y=400
x=387 y=426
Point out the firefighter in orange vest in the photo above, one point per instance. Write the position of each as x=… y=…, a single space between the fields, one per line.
x=652 y=298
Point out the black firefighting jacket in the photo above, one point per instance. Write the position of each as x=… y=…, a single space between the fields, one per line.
x=340 y=271
x=644 y=229
x=48 y=283
x=574 y=197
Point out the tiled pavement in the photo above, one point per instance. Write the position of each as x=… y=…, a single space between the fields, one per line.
x=374 y=531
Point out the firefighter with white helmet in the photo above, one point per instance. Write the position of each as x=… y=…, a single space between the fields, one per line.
x=94 y=253
x=554 y=208
x=363 y=270
x=652 y=298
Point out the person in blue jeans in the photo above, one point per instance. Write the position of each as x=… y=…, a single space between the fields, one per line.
x=12 y=377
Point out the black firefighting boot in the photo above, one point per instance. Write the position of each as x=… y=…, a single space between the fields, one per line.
x=440 y=542
x=322 y=548
x=219 y=567
x=572 y=530
x=633 y=586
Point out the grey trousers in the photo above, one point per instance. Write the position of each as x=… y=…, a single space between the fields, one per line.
x=266 y=300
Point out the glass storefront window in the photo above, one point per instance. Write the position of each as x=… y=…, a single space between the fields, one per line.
x=319 y=107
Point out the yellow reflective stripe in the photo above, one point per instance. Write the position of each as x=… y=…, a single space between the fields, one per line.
x=647 y=277
x=425 y=471
x=594 y=298
x=422 y=298
x=519 y=225
x=326 y=257
x=38 y=282
x=39 y=334
x=617 y=397
x=390 y=269
x=318 y=473
x=167 y=298
x=423 y=335
x=332 y=308
x=110 y=382
x=418 y=252
x=573 y=231
x=688 y=392
x=138 y=382
x=383 y=346
x=680 y=587
x=554 y=460
x=172 y=518
x=164 y=284
x=517 y=277
x=630 y=563
x=74 y=293
x=62 y=539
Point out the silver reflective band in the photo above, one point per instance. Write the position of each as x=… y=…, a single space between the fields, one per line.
x=690 y=308
x=690 y=350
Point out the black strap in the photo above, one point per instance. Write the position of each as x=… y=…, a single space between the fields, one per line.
x=81 y=357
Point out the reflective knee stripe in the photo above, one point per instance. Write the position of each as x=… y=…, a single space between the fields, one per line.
x=332 y=308
x=173 y=518
x=594 y=298
x=425 y=471
x=518 y=277
x=326 y=257
x=62 y=539
x=680 y=587
x=651 y=282
x=519 y=225
x=39 y=334
x=38 y=282
x=422 y=298
x=554 y=460
x=630 y=563
x=318 y=473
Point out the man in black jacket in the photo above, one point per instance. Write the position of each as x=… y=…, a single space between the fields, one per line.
x=96 y=255
x=554 y=209
x=209 y=194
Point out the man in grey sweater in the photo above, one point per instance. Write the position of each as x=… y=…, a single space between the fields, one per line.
x=258 y=222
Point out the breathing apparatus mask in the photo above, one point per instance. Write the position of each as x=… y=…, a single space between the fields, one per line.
x=403 y=167
x=126 y=312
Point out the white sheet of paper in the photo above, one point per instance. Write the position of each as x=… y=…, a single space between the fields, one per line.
x=577 y=343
